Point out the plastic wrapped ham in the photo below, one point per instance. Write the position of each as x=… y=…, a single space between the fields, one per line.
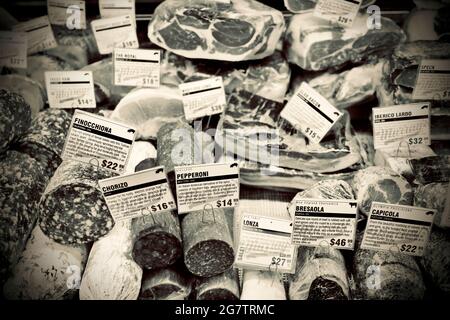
x=235 y=31
x=316 y=44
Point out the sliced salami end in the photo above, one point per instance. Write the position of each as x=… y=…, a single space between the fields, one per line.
x=209 y=258
x=325 y=289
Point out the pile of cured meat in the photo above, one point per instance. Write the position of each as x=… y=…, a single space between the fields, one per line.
x=58 y=239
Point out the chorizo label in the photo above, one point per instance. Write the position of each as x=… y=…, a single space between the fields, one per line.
x=203 y=97
x=39 y=34
x=137 y=194
x=310 y=113
x=14 y=49
x=115 y=32
x=99 y=141
x=433 y=80
x=407 y=123
x=137 y=67
x=319 y=222
x=199 y=186
x=398 y=228
x=70 y=89
x=265 y=244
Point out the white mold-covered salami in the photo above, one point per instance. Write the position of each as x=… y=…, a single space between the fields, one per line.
x=72 y=209
x=262 y=285
x=111 y=273
x=22 y=182
x=46 y=270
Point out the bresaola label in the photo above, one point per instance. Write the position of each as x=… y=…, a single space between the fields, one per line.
x=320 y=222
x=99 y=141
x=265 y=244
x=342 y=12
x=310 y=113
x=398 y=228
x=70 y=89
x=137 y=194
x=207 y=185
x=14 y=49
x=408 y=123
x=433 y=80
x=39 y=34
x=115 y=32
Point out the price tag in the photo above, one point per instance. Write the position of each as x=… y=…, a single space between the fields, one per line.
x=215 y=184
x=398 y=228
x=14 y=49
x=310 y=113
x=61 y=11
x=433 y=80
x=342 y=12
x=92 y=136
x=137 y=67
x=445 y=220
x=115 y=32
x=329 y=223
x=39 y=34
x=203 y=97
x=70 y=89
x=114 y=8
x=265 y=244
x=402 y=123
x=138 y=194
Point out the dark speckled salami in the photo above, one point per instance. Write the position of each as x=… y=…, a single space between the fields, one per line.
x=224 y=286
x=207 y=242
x=22 y=182
x=45 y=139
x=15 y=118
x=72 y=209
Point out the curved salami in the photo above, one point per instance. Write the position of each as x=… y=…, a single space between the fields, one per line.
x=45 y=139
x=22 y=182
x=15 y=118
x=207 y=243
x=46 y=270
x=224 y=286
x=72 y=208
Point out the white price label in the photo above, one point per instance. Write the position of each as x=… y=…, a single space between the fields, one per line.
x=445 y=220
x=14 y=49
x=68 y=13
x=310 y=113
x=324 y=222
x=137 y=194
x=265 y=244
x=137 y=67
x=215 y=185
x=39 y=34
x=93 y=137
x=398 y=228
x=70 y=89
x=433 y=80
x=115 y=32
x=342 y=12
x=409 y=123
x=114 y=8
x=203 y=97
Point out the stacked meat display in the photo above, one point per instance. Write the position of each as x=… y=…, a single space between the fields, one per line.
x=59 y=238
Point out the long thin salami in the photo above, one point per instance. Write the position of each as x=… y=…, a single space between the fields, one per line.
x=22 y=182
x=224 y=286
x=15 y=118
x=207 y=242
x=72 y=209
x=45 y=139
x=46 y=270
